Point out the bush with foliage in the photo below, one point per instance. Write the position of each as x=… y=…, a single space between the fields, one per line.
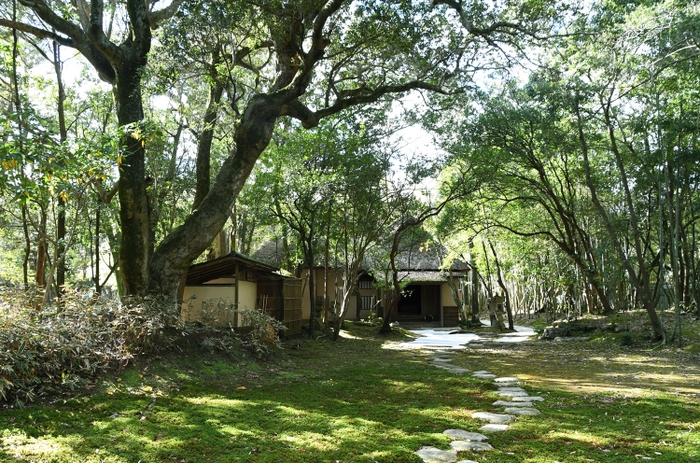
x=257 y=332
x=45 y=351
x=262 y=337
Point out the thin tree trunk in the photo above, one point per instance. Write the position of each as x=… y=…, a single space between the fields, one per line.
x=206 y=138
x=502 y=285
x=96 y=279
x=63 y=131
x=641 y=282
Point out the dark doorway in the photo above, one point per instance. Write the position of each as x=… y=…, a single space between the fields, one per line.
x=410 y=302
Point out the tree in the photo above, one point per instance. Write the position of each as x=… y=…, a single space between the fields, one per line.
x=409 y=213
x=577 y=153
x=307 y=67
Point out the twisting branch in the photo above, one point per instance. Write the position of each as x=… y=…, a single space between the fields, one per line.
x=310 y=118
x=484 y=32
x=37 y=32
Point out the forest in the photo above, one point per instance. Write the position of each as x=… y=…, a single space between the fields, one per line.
x=545 y=153
x=553 y=145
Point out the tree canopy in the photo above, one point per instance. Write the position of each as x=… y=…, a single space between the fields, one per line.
x=137 y=148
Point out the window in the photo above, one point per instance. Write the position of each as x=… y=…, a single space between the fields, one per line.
x=365 y=284
x=366 y=302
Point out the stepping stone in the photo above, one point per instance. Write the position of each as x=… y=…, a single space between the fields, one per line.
x=484 y=375
x=507 y=380
x=492 y=427
x=435 y=455
x=512 y=393
x=493 y=418
x=475 y=344
x=511 y=389
x=467 y=461
x=522 y=411
x=458 y=370
x=452 y=369
x=532 y=398
x=441 y=359
x=444 y=367
x=483 y=372
x=464 y=445
x=507 y=403
x=465 y=435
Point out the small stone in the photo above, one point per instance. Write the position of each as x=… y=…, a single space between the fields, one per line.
x=493 y=427
x=522 y=411
x=465 y=435
x=435 y=455
x=575 y=339
x=494 y=418
x=464 y=445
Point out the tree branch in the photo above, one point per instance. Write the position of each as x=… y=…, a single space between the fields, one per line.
x=77 y=38
x=156 y=17
x=310 y=118
x=37 y=32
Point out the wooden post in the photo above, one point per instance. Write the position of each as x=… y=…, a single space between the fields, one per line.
x=235 y=299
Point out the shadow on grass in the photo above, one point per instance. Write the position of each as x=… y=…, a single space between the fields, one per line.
x=346 y=402
x=591 y=367
x=339 y=404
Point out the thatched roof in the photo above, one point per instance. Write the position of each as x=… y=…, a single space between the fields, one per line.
x=270 y=252
x=428 y=276
x=412 y=259
x=430 y=259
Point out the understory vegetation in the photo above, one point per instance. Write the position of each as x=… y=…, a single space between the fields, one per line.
x=362 y=399
x=46 y=353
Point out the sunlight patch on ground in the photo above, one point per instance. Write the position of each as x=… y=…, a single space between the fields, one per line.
x=310 y=441
x=223 y=403
x=451 y=338
x=21 y=446
x=583 y=437
x=346 y=335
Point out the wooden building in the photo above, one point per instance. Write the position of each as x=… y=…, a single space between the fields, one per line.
x=215 y=287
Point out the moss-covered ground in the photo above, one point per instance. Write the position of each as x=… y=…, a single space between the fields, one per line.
x=356 y=400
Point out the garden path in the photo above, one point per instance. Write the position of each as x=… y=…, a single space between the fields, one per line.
x=516 y=401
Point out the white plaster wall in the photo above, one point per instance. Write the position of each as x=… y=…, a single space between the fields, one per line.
x=192 y=308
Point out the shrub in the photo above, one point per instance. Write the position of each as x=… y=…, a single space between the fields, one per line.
x=262 y=337
x=257 y=332
x=626 y=339
x=52 y=351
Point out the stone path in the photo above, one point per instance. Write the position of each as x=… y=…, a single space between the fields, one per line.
x=520 y=403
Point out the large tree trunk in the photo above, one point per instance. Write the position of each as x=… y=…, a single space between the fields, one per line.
x=133 y=199
x=175 y=253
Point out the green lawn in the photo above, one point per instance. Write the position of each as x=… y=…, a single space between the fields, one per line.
x=356 y=401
